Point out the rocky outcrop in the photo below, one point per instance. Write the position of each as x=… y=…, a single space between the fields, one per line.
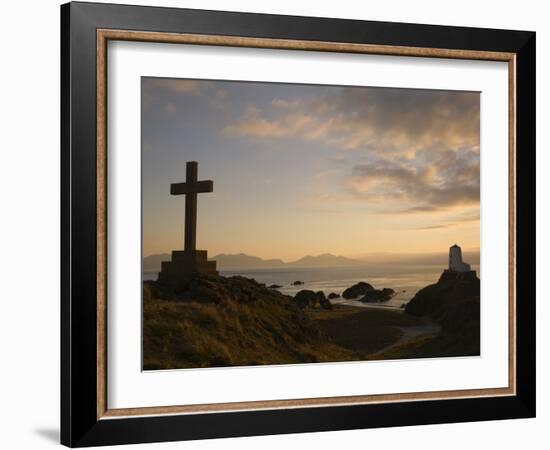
x=274 y=286
x=305 y=299
x=309 y=299
x=324 y=303
x=357 y=290
x=378 y=295
x=451 y=288
x=365 y=293
x=449 y=275
x=454 y=303
x=333 y=295
x=297 y=283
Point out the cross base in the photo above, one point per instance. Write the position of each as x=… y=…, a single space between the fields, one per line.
x=186 y=263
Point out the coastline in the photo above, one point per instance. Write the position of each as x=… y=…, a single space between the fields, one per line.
x=406 y=279
x=333 y=314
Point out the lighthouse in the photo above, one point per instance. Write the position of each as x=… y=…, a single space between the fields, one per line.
x=455 y=260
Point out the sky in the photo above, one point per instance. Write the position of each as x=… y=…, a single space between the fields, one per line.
x=311 y=169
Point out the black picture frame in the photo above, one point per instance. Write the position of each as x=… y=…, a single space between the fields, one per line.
x=80 y=425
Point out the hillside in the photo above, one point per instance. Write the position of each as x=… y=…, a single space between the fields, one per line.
x=212 y=321
x=324 y=260
x=151 y=263
x=216 y=321
x=241 y=261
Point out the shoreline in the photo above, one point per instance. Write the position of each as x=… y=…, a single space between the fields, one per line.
x=371 y=331
x=358 y=304
x=328 y=280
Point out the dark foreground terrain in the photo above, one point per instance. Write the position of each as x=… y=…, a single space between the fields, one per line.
x=211 y=321
x=215 y=321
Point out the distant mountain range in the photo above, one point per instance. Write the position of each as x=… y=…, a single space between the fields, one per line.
x=243 y=261
x=324 y=260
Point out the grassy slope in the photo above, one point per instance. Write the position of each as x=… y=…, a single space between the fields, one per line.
x=216 y=321
x=247 y=325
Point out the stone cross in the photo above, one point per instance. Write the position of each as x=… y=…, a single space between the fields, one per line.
x=190 y=189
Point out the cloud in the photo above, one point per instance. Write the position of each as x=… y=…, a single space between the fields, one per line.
x=286 y=104
x=455 y=222
x=382 y=120
x=398 y=151
x=253 y=124
x=166 y=91
x=170 y=108
x=417 y=151
x=429 y=183
x=177 y=85
x=435 y=227
x=408 y=119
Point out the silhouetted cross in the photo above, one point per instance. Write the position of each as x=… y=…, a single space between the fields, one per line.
x=190 y=189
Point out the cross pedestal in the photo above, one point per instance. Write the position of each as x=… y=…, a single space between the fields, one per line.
x=188 y=261
x=185 y=263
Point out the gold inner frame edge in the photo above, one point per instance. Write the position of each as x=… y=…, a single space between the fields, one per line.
x=103 y=36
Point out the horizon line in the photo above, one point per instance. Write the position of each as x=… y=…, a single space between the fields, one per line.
x=357 y=257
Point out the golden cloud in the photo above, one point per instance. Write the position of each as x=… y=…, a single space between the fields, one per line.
x=398 y=121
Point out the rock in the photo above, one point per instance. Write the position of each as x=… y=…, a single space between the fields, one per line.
x=274 y=286
x=403 y=305
x=357 y=290
x=324 y=303
x=333 y=295
x=449 y=275
x=215 y=289
x=309 y=299
x=451 y=288
x=452 y=302
x=306 y=299
x=378 y=295
x=297 y=283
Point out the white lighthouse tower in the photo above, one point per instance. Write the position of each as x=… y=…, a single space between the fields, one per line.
x=455 y=260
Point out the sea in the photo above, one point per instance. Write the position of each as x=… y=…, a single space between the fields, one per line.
x=405 y=279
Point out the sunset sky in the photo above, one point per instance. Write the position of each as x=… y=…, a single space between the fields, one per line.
x=307 y=169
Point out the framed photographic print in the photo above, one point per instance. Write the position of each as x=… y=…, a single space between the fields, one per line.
x=276 y=224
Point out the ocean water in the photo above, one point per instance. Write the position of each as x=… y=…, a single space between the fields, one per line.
x=405 y=279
